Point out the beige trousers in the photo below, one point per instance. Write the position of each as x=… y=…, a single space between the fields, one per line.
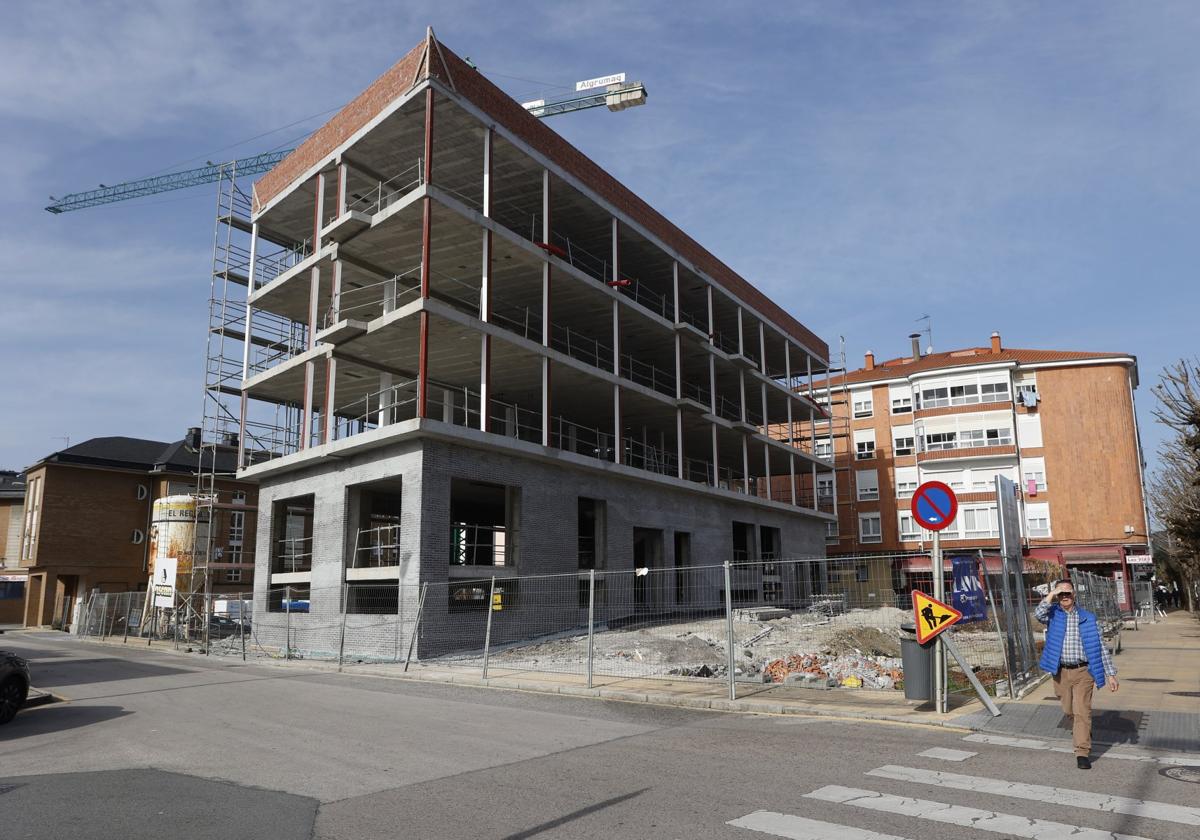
x=1074 y=687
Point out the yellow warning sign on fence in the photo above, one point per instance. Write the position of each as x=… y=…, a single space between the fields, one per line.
x=932 y=616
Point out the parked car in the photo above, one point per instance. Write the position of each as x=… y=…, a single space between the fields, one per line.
x=220 y=626
x=14 y=685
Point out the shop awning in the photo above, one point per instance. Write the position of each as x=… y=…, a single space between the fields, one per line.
x=1099 y=554
x=918 y=564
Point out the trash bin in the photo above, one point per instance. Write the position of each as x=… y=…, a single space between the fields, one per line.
x=917 y=661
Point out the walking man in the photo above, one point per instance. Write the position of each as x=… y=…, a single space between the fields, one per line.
x=1075 y=654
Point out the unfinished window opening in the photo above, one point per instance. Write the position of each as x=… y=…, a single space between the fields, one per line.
x=292 y=535
x=647 y=563
x=295 y=598
x=590 y=542
x=377 y=542
x=470 y=595
x=482 y=524
x=683 y=561
x=746 y=582
x=769 y=541
x=373 y=598
x=591 y=533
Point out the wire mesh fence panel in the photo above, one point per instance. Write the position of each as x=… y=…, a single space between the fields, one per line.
x=1100 y=595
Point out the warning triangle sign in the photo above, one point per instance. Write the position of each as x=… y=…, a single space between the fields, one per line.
x=932 y=616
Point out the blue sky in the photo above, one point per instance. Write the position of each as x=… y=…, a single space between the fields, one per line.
x=1023 y=167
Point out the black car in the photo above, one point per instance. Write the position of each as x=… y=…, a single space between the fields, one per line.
x=14 y=685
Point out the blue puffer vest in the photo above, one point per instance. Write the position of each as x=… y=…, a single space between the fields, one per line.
x=1089 y=634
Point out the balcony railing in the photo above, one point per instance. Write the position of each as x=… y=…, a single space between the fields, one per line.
x=376 y=547
x=293 y=554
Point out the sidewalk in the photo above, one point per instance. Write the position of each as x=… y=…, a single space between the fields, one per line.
x=1157 y=706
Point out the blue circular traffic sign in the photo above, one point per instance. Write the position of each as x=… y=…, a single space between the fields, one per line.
x=934 y=505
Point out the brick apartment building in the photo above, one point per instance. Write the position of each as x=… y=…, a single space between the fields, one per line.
x=507 y=364
x=86 y=521
x=1061 y=424
x=12 y=576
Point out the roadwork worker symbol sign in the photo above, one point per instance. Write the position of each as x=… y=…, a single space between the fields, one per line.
x=932 y=616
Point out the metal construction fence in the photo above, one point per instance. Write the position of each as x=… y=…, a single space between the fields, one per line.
x=812 y=622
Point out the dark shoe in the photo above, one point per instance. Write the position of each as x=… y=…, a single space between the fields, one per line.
x=1083 y=762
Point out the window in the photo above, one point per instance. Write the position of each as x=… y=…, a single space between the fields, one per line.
x=965 y=394
x=903 y=442
x=863 y=405
x=824 y=488
x=823 y=448
x=935 y=397
x=906 y=482
x=831 y=530
x=864 y=444
x=1037 y=519
x=901 y=398
x=991 y=392
x=979 y=523
x=862 y=573
x=935 y=441
x=867 y=483
x=237 y=536
x=1029 y=430
x=292 y=537
x=869 y=528
x=1033 y=470
x=909 y=529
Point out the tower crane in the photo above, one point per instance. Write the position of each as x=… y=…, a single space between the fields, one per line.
x=611 y=91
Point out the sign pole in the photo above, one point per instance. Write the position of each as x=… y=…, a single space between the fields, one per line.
x=939 y=653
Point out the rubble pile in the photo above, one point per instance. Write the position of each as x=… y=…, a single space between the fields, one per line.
x=855 y=670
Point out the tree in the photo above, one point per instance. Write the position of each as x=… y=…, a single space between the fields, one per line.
x=1176 y=484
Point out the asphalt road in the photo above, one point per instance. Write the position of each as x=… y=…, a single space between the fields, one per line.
x=158 y=745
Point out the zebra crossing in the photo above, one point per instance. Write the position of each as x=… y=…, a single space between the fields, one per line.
x=845 y=801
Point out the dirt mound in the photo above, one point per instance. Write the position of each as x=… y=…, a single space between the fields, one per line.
x=862 y=640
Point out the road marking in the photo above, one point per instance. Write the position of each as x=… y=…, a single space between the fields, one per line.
x=943 y=812
x=1184 y=759
x=947 y=755
x=1182 y=814
x=799 y=828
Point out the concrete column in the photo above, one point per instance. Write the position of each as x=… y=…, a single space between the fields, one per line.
x=679 y=368
x=306 y=412
x=715 y=460
x=742 y=394
x=767 y=467
x=335 y=293
x=816 y=504
x=711 y=317
x=745 y=465
x=330 y=397
x=741 y=334
x=762 y=348
x=427 y=203
x=792 y=476
x=679 y=442
x=318 y=210
x=343 y=171
x=617 y=424
x=675 y=288
x=387 y=413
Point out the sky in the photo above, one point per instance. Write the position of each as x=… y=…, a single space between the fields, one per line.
x=1029 y=168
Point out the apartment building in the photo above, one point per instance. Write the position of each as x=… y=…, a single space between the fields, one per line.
x=501 y=362
x=1061 y=424
x=12 y=576
x=86 y=523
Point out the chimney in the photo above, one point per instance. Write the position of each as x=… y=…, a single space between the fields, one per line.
x=870 y=360
x=996 y=348
x=192 y=440
x=915 y=338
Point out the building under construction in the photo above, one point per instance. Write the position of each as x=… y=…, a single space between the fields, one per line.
x=470 y=353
